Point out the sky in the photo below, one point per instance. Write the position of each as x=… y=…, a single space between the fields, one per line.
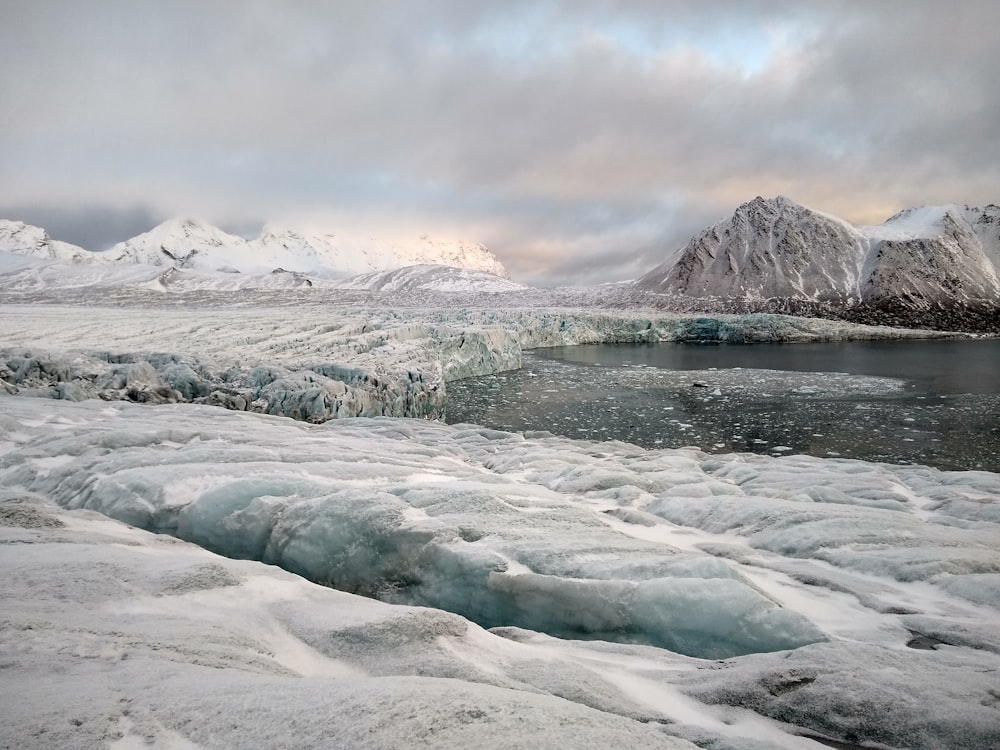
x=581 y=141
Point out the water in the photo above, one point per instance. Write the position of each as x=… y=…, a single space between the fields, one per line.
x=928 y=402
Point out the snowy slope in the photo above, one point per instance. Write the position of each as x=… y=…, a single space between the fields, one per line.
x=24 y=239
x=350 y=255
x=197 y=245
x=185 y=243
x=776 y=248
x=431 y=278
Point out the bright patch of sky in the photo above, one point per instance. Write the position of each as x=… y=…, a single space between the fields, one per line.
x=533 y=35
x=747 y=48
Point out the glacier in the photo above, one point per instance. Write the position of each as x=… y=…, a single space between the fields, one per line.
x=316 y=362
x=519 y=588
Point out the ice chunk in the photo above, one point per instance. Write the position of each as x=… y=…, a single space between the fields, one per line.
x=711 y=618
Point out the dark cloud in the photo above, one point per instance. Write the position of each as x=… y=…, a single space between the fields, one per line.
x=91 y=227
x=568 y=134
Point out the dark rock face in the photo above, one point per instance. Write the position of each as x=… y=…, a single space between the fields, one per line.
x=769 y=248
x=920 y=272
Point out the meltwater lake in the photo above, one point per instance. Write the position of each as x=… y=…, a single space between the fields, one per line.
x=934 y=402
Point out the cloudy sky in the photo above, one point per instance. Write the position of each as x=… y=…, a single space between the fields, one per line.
x=580 y=140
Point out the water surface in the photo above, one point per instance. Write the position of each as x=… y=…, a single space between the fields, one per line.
x=930 y=402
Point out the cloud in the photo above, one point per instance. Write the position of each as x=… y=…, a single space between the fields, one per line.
x=94 y=227
x=567 y=135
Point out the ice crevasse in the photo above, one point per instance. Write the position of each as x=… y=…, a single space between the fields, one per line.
x=407 y=512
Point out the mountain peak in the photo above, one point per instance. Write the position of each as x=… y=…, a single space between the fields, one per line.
x=778 y=249
x=26 y=239
x=195 y=244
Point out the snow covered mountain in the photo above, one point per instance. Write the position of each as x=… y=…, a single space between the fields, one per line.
x=350 y=255
x=776 y=248
x=198 y=246
x=33 y=242
x=934 y=254
x=431 y=278
x=186 y=243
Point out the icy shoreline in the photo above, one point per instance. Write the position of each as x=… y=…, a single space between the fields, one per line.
x=316 y=363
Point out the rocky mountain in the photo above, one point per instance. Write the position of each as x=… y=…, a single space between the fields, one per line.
x=934 y=255
x=190 y=244
x=777 y=249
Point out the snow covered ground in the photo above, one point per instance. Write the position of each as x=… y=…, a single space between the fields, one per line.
x=738 y=601
x=519 y=590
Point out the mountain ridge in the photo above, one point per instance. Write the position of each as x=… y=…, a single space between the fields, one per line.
x=192 y=244
x=778 y=249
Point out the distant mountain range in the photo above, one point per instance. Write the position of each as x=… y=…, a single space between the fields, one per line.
x=189 y=244
x=776 y=249
x=927 y=267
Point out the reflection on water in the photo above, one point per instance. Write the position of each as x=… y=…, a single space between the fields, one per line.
x=877 y=401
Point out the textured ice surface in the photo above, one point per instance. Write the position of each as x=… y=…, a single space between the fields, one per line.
x=403 y=511
x=876 y=582
x=111 y=635
x=316 y=362
x=116 y=638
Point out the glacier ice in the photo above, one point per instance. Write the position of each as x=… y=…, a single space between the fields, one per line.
x=117 y=638
x=318 y=363
x=507 y=530
x=718 y=556
x=729 y=600
x=335 y=508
